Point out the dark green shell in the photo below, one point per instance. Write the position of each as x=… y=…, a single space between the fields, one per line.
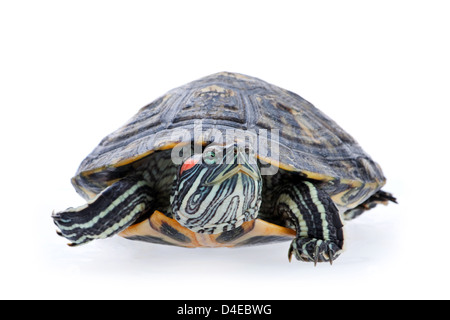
x=310 y=143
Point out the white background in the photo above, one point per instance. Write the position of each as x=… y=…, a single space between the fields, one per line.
x=72 y=72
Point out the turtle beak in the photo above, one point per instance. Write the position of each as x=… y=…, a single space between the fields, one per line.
x=238 y=169
x=241 y=165
x=246 y=170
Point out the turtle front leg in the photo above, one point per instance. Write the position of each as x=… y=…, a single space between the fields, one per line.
x=113 y=210
x=316 y=219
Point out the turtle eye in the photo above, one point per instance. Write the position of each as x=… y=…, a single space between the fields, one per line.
x=210 y=157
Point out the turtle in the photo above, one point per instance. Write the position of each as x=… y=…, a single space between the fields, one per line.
x=227 y=160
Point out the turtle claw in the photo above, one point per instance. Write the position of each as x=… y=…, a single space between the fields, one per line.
x=316 y=256
x=56 y=215
x=314 y=250
x=72 y=244
x=330 y=256
x=290 y=253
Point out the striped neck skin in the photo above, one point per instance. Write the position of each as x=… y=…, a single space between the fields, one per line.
x=217 y=190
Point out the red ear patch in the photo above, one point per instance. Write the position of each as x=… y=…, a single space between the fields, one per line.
x=188 y=164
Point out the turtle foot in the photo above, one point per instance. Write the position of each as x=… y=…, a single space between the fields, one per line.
x=314 y=250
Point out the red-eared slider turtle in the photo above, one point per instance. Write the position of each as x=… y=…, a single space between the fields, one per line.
x=227 y=160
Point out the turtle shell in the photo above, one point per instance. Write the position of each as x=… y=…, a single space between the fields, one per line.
x=306 y=140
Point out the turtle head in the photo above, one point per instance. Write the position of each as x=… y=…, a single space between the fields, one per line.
x=217 y=190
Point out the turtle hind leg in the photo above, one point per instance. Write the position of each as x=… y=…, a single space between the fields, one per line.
x=380 y=197
x=113 y=210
